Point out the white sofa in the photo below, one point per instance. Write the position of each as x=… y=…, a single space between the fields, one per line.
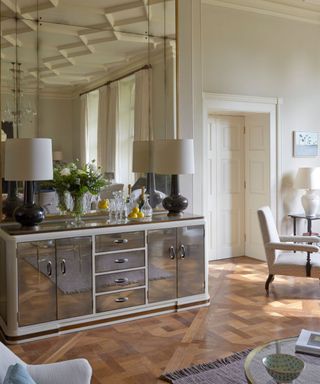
x=76 y=371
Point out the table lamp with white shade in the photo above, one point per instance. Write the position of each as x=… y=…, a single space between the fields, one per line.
x=174 y=157
x=57 y=156
x=142 y=163
x=309 y=179
x=28 y=160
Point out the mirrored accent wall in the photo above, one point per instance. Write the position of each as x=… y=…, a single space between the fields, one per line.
x=92 y=75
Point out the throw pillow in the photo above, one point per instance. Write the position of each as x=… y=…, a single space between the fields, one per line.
x=18 y=374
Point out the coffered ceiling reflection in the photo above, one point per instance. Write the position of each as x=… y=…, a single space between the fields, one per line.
x=79 y=41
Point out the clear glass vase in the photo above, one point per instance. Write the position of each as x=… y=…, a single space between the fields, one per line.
x=77 y=209
x=62 y=205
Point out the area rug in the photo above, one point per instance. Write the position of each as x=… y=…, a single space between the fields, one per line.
x=229 y=370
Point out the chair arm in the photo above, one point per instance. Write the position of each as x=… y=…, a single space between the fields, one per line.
x=301 y=239
x=66 y=372
x=293 y=247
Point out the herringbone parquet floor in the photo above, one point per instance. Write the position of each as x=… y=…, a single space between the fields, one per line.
x=240 y=316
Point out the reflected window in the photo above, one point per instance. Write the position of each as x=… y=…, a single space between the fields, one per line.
x=92 y=127
x=125 y=132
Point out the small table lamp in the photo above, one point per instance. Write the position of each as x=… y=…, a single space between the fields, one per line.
x=28 y=160
x=174 y=157
x=57 y=156
x=142 y=163
x=309 y=179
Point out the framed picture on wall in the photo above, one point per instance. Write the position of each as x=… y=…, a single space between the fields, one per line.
x=305 y=144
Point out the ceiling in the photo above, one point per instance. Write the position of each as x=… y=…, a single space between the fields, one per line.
x=80 y=41
x=299 y=10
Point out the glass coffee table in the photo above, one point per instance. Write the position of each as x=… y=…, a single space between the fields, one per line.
x=256 y=373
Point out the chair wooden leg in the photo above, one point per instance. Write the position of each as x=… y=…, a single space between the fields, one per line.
x=308 y=265
x=269 y=280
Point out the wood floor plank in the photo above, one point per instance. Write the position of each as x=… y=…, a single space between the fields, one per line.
x=239 y=316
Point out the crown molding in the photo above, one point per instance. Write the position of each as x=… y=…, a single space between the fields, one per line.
x=269 y=8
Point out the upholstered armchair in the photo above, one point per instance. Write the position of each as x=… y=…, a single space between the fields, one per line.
x=288 y=255
x=66 y=372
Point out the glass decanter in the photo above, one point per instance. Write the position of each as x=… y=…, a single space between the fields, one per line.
x=146 y=207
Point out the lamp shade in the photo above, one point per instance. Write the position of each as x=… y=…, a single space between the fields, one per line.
x=173 y=157
x=308 y=178
x=57 y=156
x=28 y=159
x=141 y=156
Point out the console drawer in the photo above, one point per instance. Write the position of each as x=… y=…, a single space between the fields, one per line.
x=118 y=241
x=118 y=261
x=124 y=299
x=119 y=280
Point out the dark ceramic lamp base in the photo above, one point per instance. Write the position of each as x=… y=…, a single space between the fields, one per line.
x=175 y=203
x=29 y=214
x=154 y=196
x=12 y=201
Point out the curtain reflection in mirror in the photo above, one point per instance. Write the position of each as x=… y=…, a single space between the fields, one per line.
x=112 y=117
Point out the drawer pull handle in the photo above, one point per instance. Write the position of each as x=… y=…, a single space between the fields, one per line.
x=49 y=268
x=172 y=252
x=63 y=266
x=121 y=280
x=120 y=241
x=121 y=299
x=182 y=251
x=121 y=261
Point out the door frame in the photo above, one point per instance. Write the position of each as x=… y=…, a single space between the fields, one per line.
x=214 y=103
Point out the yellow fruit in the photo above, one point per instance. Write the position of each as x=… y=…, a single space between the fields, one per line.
x=140 y=215
x=133 y=215
x=103 y=204
x=135 y=210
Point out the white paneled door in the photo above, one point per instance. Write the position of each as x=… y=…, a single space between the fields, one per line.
x=238 y=170
x=226 y=161
x=257 y=170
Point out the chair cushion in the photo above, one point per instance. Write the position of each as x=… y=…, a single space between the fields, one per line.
x=298 y=258
x=7 y=358
x=18 y=374
x=294 y=264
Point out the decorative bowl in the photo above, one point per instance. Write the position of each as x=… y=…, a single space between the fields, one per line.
x=283 y=368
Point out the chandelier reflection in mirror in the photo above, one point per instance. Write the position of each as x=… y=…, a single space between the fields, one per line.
x=17 y=109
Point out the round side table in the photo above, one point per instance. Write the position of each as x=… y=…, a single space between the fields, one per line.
x=256 y=373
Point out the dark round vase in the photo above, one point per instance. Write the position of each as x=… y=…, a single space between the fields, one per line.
x=29 y=215
x=175 y=204
x=10 y=204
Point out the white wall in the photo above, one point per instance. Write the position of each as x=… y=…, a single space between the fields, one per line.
x=252 y=54
x=55 y=121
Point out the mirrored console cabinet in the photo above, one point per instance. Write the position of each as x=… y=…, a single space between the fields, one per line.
x=61 y=278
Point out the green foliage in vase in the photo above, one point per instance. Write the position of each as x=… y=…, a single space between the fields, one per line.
x=78 y=179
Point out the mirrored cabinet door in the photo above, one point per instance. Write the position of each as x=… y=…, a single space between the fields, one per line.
x=74 y=277
x=190 y=254
x=37 y=282
x=162 y=268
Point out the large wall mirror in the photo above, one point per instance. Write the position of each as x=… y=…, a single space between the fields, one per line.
x=92 y=75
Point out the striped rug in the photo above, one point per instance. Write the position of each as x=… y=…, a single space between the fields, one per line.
x=229 y=370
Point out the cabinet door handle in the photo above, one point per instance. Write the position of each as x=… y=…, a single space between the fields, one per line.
x=49 y=268
x=172 y=252
x=121 y=261
x=120 y=241
x=182 y=251
x=121 y=299
x=121 y=280
x=63 y=266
